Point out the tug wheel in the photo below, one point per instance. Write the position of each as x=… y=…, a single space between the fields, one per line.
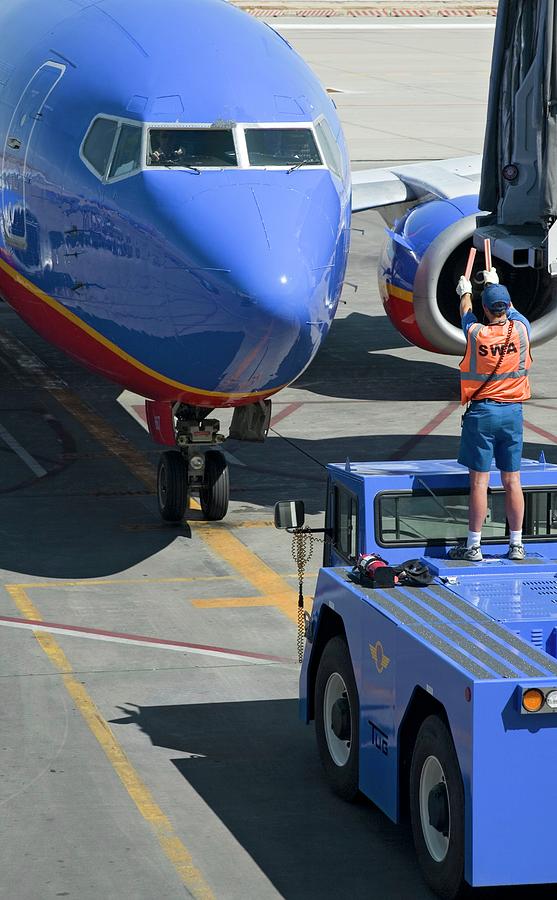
x=437 y=809
x=214 y=496
x=172 y=487
x=336 y=719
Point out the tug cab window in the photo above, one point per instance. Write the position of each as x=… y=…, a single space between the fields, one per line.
x=345 y=526
x=412 y=518
x=282 y=147
x=98 y=144
x=127 y=157
x=194 y=147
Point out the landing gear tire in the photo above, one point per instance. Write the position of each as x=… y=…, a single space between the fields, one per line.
x=215 y=495
x=172 y=486
x=437 y=809
x=336 y=719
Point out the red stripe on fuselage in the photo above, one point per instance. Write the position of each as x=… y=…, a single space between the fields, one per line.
x=74 y=340
x=402 y=315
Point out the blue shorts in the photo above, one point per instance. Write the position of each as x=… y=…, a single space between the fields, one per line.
x=492 y=429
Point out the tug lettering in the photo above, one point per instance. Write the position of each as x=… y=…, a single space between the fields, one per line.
x=379 y=739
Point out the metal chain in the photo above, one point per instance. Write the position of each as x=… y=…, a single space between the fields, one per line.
x=302 y=551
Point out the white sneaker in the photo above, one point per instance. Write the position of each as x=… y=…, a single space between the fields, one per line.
x=472 y=554
x=516 y=551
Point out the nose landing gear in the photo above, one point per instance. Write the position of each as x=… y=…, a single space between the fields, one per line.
x=172 y=492
x=194 y=466
x=174 y=484
x=214 y=495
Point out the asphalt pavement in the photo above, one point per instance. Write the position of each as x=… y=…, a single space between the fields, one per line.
x=149 y=743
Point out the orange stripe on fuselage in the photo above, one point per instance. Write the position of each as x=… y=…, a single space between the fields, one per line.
x=213 y=396
x=400 y=293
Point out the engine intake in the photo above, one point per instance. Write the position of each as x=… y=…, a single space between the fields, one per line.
x=430 y=260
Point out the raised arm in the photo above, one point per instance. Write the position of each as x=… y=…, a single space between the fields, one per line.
x=464 y=291
x=465 y=304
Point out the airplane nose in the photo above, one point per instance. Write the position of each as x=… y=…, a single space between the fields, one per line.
x=273 y=242
x=267 y=257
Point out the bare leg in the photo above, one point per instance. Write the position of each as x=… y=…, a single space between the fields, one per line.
x=514 y=499
x=478 y=500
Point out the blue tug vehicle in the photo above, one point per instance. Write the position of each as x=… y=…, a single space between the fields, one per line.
x=438 y=700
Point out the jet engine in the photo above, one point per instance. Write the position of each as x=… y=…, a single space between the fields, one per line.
x=424 y=256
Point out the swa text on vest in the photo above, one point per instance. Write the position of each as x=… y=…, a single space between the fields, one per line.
x=496 y=349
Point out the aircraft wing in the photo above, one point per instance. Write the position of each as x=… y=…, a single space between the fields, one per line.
x=446 y=178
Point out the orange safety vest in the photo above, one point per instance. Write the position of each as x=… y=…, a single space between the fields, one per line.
x=484 y=347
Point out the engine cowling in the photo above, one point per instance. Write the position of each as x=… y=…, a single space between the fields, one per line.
x=424 y=256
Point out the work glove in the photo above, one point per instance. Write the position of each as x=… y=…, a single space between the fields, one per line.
x=464 y=286
x=491 y=277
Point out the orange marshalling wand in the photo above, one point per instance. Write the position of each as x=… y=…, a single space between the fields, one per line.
x=487 y=251
x=470 y=263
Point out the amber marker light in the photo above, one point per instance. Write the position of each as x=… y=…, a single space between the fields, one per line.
x=533 y=700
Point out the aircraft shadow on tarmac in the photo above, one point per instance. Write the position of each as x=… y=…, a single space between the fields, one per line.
x=350 y=365
x=256 y=767
x=295 y=470
x=60 y=542
x=71 y=536
x=90 y=517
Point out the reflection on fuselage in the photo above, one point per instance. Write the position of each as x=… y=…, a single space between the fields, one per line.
x=216 y=280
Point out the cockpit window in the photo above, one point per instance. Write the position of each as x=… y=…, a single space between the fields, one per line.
x=127 y=157
x=98 y=144
x=117 y=148
x=195 y=147
x=329 y=146
x=282 y=147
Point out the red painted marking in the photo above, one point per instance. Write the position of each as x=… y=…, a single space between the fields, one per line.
x=164 y=642
x=374 y=11
x=287 y=411
x=428 y=428
x=541 y=431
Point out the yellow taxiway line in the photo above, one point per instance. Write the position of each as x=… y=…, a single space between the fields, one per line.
x=218 y=539
x=273 y=590
x=172 y=846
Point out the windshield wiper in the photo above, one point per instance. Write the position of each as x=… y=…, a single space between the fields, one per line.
x=303 y=162
x=187 y=168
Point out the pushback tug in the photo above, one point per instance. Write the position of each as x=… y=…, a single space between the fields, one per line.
x=440 y=701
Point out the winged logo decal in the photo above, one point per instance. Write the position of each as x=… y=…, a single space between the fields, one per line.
x=378 y=656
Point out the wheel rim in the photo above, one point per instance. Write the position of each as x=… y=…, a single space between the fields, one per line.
x=335 y=690
x=432 y=775
x=163 y=487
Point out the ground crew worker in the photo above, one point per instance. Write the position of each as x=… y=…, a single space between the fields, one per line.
x=494 y=384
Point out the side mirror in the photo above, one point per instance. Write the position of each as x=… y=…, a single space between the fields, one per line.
x=290 y=514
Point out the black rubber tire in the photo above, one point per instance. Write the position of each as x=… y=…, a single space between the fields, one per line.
x=215 y=495
x=343 y=779
x=446 y=877
x=172 y=486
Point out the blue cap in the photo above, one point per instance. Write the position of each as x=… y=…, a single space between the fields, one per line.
x=496 y=297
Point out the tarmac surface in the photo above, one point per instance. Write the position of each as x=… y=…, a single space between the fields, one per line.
x=149 y=741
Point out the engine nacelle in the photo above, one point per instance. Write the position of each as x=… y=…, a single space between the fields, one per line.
x=426 y=253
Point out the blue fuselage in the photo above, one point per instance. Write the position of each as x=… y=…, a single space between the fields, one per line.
x=211 y=285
